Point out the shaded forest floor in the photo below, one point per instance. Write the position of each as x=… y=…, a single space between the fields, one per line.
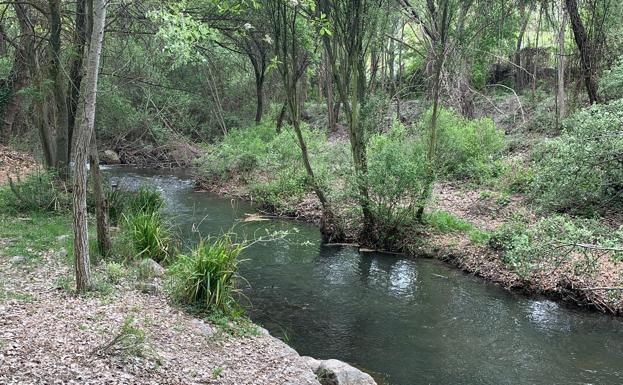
x=119 y=333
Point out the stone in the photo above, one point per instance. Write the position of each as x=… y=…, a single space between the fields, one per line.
x=147 y=288
x=335 y=372
x=18 y=259
x=311 y=363
x=150 y=269
x=62 y=238
x=110 y=157
x=205 y=329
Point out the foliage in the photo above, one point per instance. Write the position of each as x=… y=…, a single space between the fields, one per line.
x=555 y=240
x=395 y=178
x=581 y=170
x=611 y=83
x=144 y=201
x=114 y=272
x=41 y=191
x=205 y=279
x=465 y=148
x=150 y=236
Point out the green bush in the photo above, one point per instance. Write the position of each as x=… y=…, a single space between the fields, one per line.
x=611 y=83
x=465 y=148
x=206 y=278
x=581 y=170
x=41 y=191
x=150 y=236
x=395 y=179
x=554 y=240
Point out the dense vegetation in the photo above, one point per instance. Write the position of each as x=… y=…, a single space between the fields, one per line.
x=352 y=114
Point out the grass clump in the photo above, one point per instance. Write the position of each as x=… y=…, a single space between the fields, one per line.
x=149 y=236
x=445 y=222
x=128 y=342
x=41 y=191
x=205 y=279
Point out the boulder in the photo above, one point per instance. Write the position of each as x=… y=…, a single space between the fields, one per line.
x=335 y=372
x=110 y=157
x=150 y=269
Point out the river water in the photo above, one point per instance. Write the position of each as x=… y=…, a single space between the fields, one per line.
x=406 y=321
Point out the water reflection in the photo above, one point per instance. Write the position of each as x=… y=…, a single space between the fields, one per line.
x=414 y=321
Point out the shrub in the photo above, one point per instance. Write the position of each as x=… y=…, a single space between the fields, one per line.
x=395 y=178
x=611 y=83
x=581 y=170
x=552 y=241
x=41 y=191
x=205 y=279
x=465 y=148
x=150 y=236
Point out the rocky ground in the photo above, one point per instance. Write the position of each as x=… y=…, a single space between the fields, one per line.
x=48 y=335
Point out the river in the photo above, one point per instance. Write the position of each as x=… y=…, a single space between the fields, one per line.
x=406 y=321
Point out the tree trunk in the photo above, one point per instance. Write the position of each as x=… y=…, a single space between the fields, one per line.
x=75 y=74
x=60 y=97
x=561 y=103
x=520 y=80
x=259 y=72
x=332 y=112
x=83 y=140
x=581 y=41
x=18 y=79
x=101 y=204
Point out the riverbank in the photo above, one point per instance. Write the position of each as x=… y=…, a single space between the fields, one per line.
x=123 y=332
x=475 y=214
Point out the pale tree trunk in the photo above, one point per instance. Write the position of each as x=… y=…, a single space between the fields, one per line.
x=561 y=105
x=83 y=140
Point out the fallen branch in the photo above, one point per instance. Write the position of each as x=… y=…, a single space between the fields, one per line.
x=613 y=288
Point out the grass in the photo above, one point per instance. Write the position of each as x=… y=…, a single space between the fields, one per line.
x=205 y=279
x=31 y=235
x=150 y=236
x=445 y=223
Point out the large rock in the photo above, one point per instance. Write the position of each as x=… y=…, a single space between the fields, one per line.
x=149 y=268
x=335 y=372
x=110 y=157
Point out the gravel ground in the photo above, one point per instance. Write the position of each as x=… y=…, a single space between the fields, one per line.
x=50 y=336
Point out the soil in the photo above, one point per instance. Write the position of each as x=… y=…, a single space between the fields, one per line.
x=15 y=164
x=50 y=335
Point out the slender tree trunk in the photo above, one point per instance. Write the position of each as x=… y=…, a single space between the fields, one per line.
x=281 y=117
x=519 y=70
x=60 y=97
x=561 y=103
x=104 y=244
x=18 y=79
x=83 y=141
x=332 y=112
x=75 y=74
x=581 y=41
x=260 y=75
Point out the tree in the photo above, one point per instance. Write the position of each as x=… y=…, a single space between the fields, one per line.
x=586 y=51
x=83 y=142
x=352 y=27
x=290 y=36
